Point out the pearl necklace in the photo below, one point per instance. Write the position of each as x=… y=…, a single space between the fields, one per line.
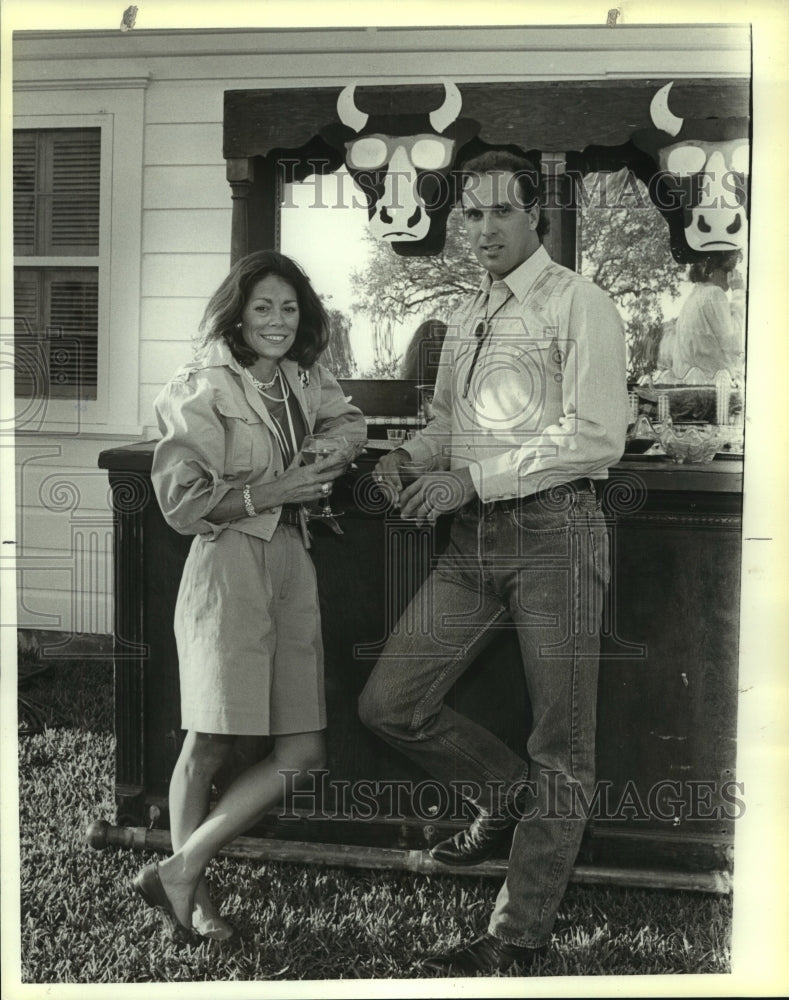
x=287 y=441
x=260 y=386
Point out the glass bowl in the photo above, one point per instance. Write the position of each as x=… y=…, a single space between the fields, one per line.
x=690 y=444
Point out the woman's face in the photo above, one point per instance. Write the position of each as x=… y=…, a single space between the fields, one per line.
x=270 y=318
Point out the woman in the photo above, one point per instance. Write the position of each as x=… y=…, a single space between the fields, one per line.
x=247 y=623
x=421 y=358
x=709 y=329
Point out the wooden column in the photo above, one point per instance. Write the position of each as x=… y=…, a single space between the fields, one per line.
x=559 y=209
x=240 y=175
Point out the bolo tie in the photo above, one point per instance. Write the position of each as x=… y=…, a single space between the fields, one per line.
x=481 y=331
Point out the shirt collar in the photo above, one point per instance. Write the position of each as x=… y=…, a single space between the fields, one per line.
x=216 y=354
x=523 y=277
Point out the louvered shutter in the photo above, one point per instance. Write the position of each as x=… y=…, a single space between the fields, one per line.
x=25 y=156
x=30 y=363
x=73 y=316
x=56 y=192
x=74 y=218
x=56 y=214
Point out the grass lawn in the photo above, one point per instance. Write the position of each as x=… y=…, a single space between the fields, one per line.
x=80 y=922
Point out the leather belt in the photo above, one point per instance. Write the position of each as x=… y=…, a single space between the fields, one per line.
x=289 y=514
x=550 y=496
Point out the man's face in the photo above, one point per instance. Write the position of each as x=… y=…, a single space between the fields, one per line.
x=500 y=230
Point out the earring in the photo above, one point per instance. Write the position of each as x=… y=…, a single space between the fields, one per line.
x=238 y=326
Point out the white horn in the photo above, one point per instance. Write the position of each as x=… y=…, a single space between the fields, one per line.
x=443 y=117
x=349 y=114
x=662 y=116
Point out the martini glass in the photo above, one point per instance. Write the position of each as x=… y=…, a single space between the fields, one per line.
x=314 y=447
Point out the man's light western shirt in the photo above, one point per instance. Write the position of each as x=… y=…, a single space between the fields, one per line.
x=547 y=397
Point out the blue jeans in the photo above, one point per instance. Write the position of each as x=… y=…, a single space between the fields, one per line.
x=542 y=567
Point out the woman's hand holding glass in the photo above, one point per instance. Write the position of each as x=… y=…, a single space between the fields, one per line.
x=305 y=483
x=318 y=449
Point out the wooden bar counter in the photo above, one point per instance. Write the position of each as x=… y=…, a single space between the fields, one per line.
x=667 y=793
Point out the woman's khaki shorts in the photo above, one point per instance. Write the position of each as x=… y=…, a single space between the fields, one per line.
x=247 y=626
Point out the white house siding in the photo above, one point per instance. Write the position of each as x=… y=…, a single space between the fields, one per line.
x=177 y=227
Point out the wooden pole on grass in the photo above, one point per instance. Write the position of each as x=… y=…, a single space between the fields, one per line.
x=102 y=834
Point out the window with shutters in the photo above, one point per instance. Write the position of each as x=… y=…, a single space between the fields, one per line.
x=56 y=258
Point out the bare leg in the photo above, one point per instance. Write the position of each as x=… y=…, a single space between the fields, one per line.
x=248 y=798
x=202 y=755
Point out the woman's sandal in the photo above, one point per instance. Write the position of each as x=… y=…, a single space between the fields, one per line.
x=148 y=884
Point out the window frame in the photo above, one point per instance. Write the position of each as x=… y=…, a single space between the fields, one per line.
x=118 y=111
x=47 y=265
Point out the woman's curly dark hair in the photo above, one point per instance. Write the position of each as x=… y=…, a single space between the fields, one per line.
x=724 y=260
x=420 y=361
x=223 y=312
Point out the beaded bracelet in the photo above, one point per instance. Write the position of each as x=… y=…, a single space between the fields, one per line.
x=249 y=507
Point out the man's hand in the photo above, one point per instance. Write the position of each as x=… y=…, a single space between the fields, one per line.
x=436 y=493
x=387 y=470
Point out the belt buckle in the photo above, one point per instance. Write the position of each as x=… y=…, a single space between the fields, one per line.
x=289 y=515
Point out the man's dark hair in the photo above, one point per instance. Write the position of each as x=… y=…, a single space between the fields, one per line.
x=529 y=189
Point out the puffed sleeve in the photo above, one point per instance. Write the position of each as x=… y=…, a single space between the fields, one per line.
x=189 y=460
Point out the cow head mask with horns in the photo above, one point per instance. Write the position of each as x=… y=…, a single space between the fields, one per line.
x=702 y=184
x=402 y=163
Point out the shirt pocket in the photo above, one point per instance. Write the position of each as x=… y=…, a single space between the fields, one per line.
x=247 y=437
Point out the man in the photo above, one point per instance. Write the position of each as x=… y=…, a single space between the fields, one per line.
x=530 y=412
